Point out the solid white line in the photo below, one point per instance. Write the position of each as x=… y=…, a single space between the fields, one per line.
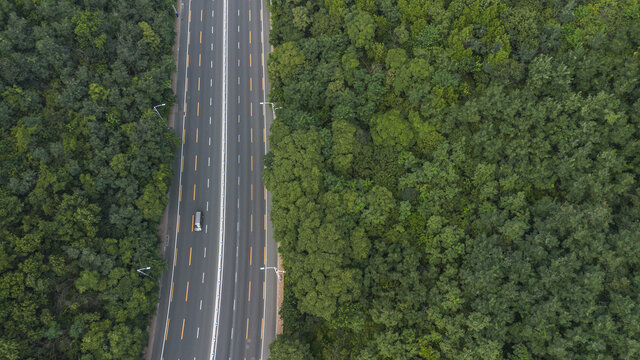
x=175 y=242
x=223 y=170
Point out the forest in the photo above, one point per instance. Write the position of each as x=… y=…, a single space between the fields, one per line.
x=456 y=179
x=85 y=164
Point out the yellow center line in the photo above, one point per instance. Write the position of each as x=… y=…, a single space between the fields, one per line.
x=265 y=221
x=264 y=191
x=262 y=290
x=198 y=112
x=250 y=254
x=184 y=134
x=189 y=15
x=180 y=194
x=198 y=83
x=263 y=106
x=249 y=291
x=264 y=135
x=197 y=128
x=250 y=84
x=182 y=332
x=251 y=223
x=199 y=61
x=249 y=36
x=185 y=108
x=201 y=15
x=249 y=60
x=189 y=38
x=196 y=168
x=175 y=258
x=247 y=335
x=166 y=331
x=261 y=36
x=261 y=328
x=191 y=223
x=249 y=15
x=190 y=250
x=251 y=162
x=251 y=109
x=194 y=193
x=182 y=163
x=171 y=297
x=186 y=297
x=200 y=36
x=178 y=229
x=251 y=135
x=251 y=191
x=260 y=14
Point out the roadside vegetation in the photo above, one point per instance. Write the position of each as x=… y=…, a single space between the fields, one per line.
x=84 y=169
x=456 y=179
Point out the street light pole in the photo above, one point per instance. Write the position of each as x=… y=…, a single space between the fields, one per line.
x=273 y=107
x=156 y=110
x=278 y=272
x=142 y=271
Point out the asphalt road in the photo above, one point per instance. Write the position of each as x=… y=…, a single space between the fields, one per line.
x=215 y=302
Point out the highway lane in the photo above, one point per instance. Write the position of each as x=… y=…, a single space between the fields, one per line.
x=185 y=326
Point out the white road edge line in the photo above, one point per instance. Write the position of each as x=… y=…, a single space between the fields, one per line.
x=175 y=242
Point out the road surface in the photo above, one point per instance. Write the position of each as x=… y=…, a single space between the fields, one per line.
x=215 y=302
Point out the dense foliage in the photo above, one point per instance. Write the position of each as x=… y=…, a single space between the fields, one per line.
x=457 y=179
x=84 y=169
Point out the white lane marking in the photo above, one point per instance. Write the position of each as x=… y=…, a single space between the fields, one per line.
x=175 y=243
x=238 y=28
x=208 y=162
x=210 y=82
x=238 y=62
x=212 y=44
x=238 y=99
x=223 y=170
x=207 y=183
x=210 y=100
x=238 y=44
x=238 y=80
x=238 y=159
x=211 y=66
x=238 y=205
x=203 y=277
x=238 y=119
x=209 y=124
x=197 y=334
x=200 y=304
x=212 y=26
x=238 y=12
x=238 y=138
x=209 y=140
x=207 y=205
x=238 y=226
x=205 y=255
x=238 y=180
x=206 y=229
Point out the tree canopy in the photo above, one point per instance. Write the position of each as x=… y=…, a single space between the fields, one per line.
x=84 y=172
x=456 y=179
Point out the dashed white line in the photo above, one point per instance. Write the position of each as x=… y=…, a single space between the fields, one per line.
x=207 y=183
x=209 y=124
x=197 y=334
x=210 y=82
x=211 y=66
x=200 y=304
x=211 y=46
x=238 y=180
x=206 y=229
x=208 y=163
x=210 y=100
x=238 y=138
x=238 y=44
x=209 y=140
x=238 y=28
x=238 y=62
x=203 y=277
x=238 y=80
x=205 y=255
x=207 y=206
x=238 y=99
x=238 y=159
